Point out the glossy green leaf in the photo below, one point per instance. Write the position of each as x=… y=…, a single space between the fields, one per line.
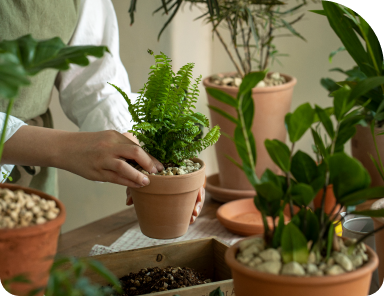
x=269 y=191
x=279 y=153
x=299 y=121
x=365 y=86
x=361 y=195
x=325 y=120
x=302 y=194
x=347 y=175
x=319 y=144
x=276 y=241
x=320 y=12
x=331 y=232
x=249 y=82
x=216 y=292
x=303 y=167
x=12 y=76
x=222 y=96
x=293 y=245
x=223 y=113
x=370 y=213
x=342 y=101
x=248 y=110
x=345 y=31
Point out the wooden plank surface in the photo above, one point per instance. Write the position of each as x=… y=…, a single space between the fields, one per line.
x=106 y=231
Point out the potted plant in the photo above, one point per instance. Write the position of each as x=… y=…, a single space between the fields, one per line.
x=361 y=42
x=30 y=220
x=165 y=123
x=252 y=27
x=307 y=245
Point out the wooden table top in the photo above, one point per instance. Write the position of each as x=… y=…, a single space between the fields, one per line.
x=79 y=242
x=106 y=231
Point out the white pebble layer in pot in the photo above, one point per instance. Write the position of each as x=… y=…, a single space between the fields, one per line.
x=170 y=130
x=30 y=222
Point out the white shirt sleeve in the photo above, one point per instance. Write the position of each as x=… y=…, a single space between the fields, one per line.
x=86 y=98
x=12 y=126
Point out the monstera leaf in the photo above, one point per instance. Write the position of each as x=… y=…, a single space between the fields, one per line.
x=26 y=56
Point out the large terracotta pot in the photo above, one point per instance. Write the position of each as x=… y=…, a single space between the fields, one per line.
x=248 y=281
x=30 y=250
x=164 y=207
x=271 y=105
x=363 y=146
x=330 y=200
x=379 y=238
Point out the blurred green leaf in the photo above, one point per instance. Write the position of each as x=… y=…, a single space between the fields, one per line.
x=362 y=195
x=302 y=194
x=250 y=81
x=342 y=101
x=370 y=213
x=365 y=86
x=325 y=120
x=303 y=167
x=279 y=153
x=319 y=144
x=329 y=84
x=299 y=121
x=223 y=113
x=293 y=245
x=216 y=292
x=222 y=96
x=276 y=241
x=333 y=53
x=347 y=175
x=331 y=232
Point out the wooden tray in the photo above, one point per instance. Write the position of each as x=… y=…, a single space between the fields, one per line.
x=204 y=255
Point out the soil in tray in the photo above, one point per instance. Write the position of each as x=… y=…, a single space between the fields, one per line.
x=157 y=279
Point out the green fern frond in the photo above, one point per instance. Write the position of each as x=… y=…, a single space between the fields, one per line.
x=167 y=125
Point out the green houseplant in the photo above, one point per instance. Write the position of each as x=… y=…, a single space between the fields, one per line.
x=361 y=43
x=25 y=250
x=165 y=123
x=253 y=27
x=309 y=237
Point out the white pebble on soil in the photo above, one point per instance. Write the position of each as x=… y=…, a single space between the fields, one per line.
x=170 y=171
x=293 y=268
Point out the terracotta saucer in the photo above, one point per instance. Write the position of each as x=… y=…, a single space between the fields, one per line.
x=221 y=194
x=242 y=217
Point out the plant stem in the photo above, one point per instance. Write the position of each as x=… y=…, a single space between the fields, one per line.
x=2 y=139
x=245 y=48
x=289 y=183
x=270 y=31
x=368 y=235
x=233 y=33
x=228 y=52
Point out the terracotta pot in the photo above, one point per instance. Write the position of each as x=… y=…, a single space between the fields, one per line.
x=362 y=146
x=330 y=200
x=165 y=206
x=379 y=238
x=271 y=105
x=245 y=279
x=30 y=250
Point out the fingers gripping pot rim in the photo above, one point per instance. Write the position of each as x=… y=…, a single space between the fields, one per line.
x=165 y=206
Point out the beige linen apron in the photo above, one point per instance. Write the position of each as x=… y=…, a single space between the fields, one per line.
x=43 y=19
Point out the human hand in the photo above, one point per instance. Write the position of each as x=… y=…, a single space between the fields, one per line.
x=196 y=210
x=101 y=156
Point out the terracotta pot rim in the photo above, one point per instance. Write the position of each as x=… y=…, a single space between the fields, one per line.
x=291 y=82
x=180 y=176
x=379 y=204
x=6 y=233
x=300 y=281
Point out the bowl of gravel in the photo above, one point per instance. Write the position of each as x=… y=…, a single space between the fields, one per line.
x=347 y=271
x=30 y=222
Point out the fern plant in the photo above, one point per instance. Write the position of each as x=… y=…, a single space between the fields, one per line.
x=165 y=121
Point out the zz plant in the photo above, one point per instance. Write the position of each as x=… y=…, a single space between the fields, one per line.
x=303 y=177
x=165 y=121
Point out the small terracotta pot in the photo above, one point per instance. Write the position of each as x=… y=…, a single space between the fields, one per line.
x=30 y=250
x=379 y=238
x=271 y=105
x=164 y=207
x=363 y=146
x=330 y=200
x=245 y=280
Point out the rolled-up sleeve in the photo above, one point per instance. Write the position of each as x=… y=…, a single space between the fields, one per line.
x=12 y=127
x=86 y=98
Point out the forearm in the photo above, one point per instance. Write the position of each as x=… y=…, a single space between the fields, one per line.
x=36 y=146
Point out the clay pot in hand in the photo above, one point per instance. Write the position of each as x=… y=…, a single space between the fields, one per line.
x=30 y=250
x=164 y=207
x=271 y=105
x=245 y=279
x=363 y=146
